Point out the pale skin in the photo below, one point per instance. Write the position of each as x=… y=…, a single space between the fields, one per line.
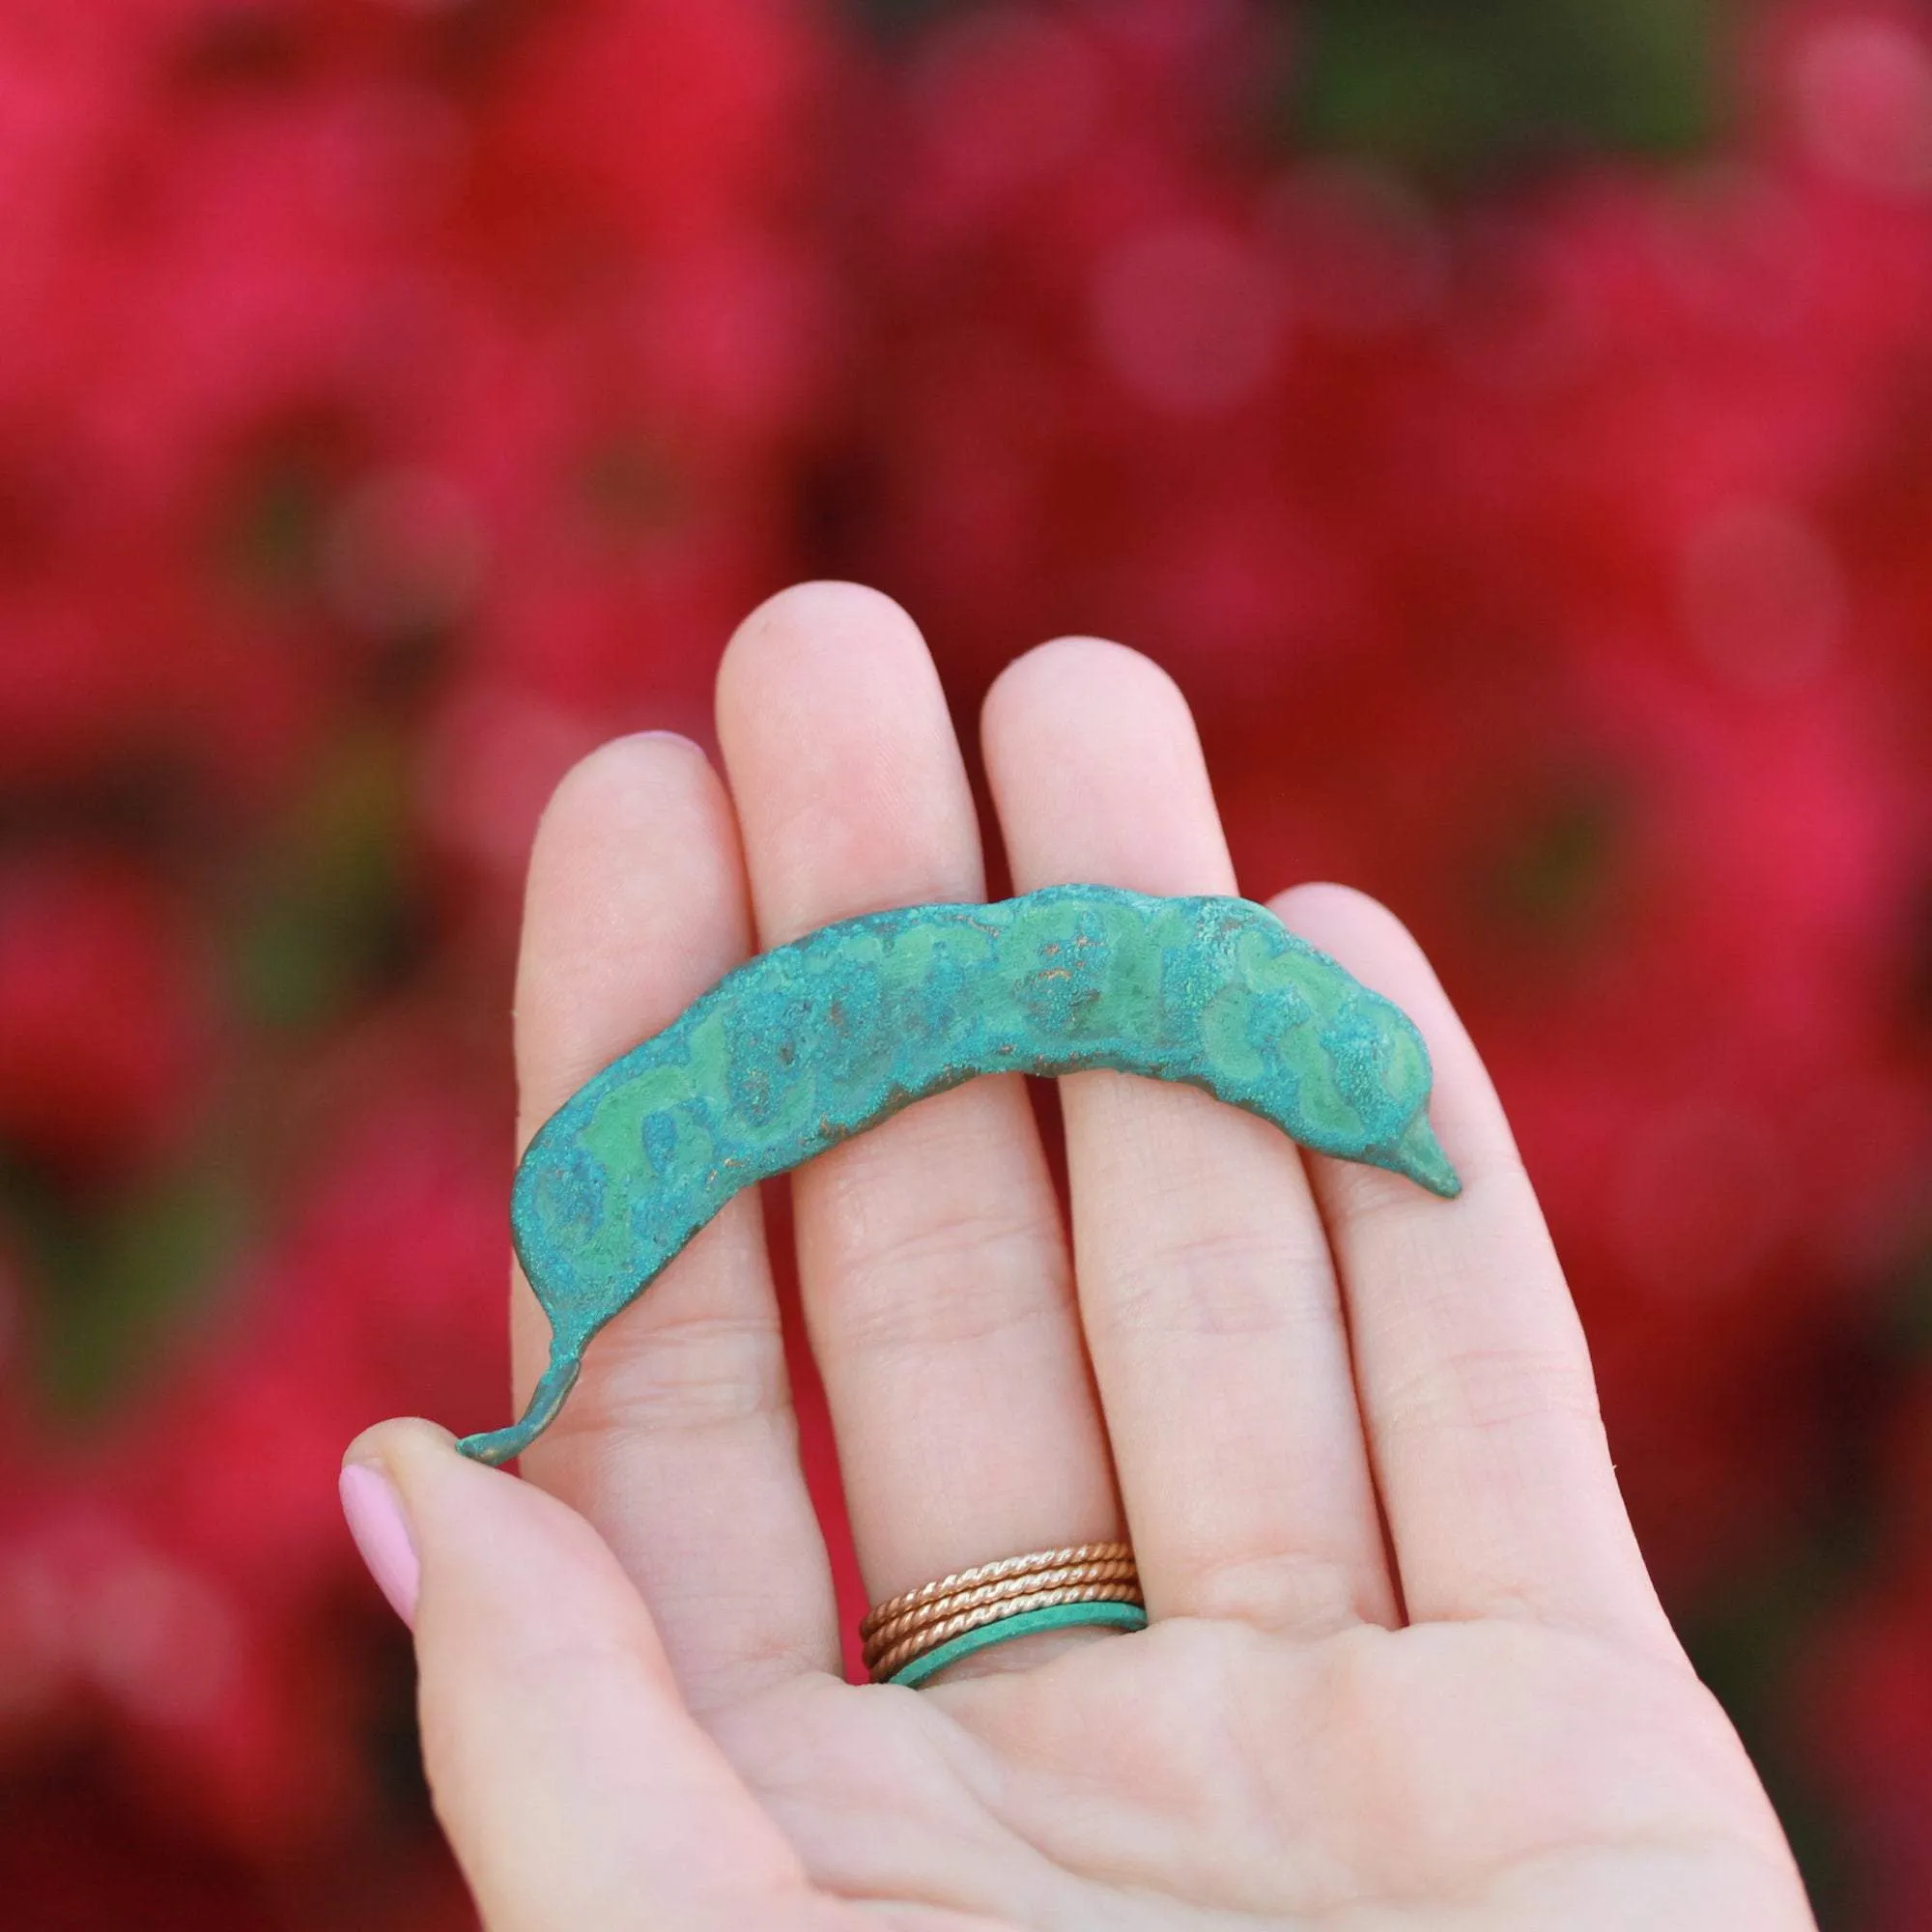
x=1406 y=1668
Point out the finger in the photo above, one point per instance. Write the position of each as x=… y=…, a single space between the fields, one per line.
x=1210 y=1304
x=575 y=1786
x=1474 y=1375
x=932 y=1268
x=679 y=1443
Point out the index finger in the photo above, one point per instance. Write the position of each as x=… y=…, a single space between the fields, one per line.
x=679 y=1443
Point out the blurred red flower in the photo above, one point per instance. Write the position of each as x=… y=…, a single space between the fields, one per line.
x=400 y=397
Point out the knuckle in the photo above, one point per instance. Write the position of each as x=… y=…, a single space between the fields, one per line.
x=1283 y=1591
x=1491 y=1389
x=965 y=1273
x=684 y=1371
x=1218 y=1281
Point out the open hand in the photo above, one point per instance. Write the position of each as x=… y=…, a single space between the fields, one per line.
x=1405 y=1667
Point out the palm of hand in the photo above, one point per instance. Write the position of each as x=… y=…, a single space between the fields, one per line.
x=1491 y=1774
x=1404 y=1666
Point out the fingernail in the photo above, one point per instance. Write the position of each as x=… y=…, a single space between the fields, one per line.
x=376 y=1521
x=672 y=737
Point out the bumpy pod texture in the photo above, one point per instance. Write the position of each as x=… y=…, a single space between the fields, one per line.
x=815 y=1041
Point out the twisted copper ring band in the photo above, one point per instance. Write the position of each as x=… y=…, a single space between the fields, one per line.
x=922 y=1616
x=933 y=1636
x=992 y=1573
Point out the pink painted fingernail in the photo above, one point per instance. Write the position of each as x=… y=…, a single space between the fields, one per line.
x=376 y=1521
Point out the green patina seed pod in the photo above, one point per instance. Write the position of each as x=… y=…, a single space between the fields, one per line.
x=815 y=1041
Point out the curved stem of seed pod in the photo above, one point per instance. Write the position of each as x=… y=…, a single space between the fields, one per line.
x=498 y=1445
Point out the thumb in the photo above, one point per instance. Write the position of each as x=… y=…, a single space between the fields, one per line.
x=575 y=1786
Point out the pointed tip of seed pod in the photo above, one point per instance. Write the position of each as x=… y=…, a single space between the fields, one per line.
x=1419 y=1156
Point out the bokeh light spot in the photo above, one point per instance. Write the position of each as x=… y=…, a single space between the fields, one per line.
x=1189 y=319
x=1865 y=105
x=1764 y=601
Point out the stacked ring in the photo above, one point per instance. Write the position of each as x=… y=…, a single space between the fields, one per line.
x=910 y=1637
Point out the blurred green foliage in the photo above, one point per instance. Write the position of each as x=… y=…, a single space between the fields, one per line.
x=1457 y=88
x=320 y=919
x=121 y=1273
x=1460 y=86
x=1552 y=870
x=1746 y=1647
x=328 y=913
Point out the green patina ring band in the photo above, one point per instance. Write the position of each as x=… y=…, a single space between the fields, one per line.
x=1059 y=1616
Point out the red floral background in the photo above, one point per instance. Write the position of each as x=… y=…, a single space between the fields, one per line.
x=1512 y=423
